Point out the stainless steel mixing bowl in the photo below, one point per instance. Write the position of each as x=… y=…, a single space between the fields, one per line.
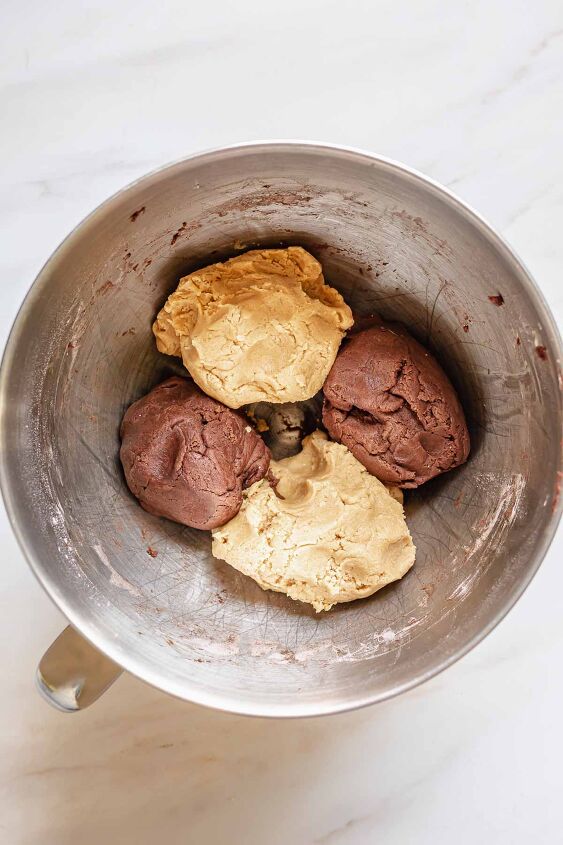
x=146 y=592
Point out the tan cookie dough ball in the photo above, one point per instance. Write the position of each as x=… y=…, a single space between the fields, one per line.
x=263 y=326
x=334 y=533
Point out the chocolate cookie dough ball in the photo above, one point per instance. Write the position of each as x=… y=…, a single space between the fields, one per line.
x=187 y=457
x=389 y=401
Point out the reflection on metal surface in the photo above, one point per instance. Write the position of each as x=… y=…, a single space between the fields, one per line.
x=73 y=674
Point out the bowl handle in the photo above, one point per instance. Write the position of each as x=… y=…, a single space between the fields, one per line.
x=72 y=674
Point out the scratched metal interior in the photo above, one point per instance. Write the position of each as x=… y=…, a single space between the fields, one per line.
x=149 y=590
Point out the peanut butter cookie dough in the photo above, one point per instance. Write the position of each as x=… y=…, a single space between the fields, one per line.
x=330 y=533
x=263 y=326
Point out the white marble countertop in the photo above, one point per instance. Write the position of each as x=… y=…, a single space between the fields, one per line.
x=92 y=95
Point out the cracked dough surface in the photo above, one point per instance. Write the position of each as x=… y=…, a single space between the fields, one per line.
x=388 y=400
x=338 y=534
x=263 y=326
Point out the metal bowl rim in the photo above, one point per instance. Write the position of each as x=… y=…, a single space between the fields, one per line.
x=190 y=691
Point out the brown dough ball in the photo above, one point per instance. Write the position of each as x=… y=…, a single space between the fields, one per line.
x=187 y=457
x=389 y=401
